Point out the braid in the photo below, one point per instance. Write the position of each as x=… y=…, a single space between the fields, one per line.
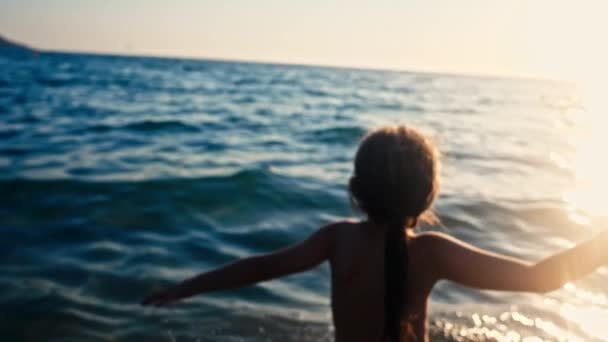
x=395 y=280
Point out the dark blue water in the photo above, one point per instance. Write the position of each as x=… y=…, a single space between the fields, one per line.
x=121 y=175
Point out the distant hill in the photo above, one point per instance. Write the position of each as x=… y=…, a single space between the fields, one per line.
x=8 y=45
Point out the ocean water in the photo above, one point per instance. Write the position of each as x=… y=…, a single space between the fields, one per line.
x=120 y=175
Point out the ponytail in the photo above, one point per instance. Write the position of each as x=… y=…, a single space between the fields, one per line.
x=395 y=280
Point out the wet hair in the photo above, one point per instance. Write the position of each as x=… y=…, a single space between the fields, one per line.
x=395 y=181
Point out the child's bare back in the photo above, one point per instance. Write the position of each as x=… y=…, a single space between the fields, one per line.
x=357 y=273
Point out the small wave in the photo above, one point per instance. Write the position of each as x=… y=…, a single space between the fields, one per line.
x=198 y=67
x=267 y=112
x=414 y=108
x=201 y=145
x=350 y=107
x=245 y=81
x=15 y=151
x=489 y=101
x=337 y=135
x=250 y=193
x=84 y=188
x=316 y=92
x=8 y=134
x=97 y=128
x=170 y=125
x=57 y=80
x=460 y=110
x=88 y=111
x=245 y=100
x=283 y=81
x=391 y=106
x=147 y=126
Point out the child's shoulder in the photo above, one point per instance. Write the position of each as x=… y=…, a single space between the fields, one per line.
x=338 y=227
x=439 y=247
x=431 y=240
x=341 y=224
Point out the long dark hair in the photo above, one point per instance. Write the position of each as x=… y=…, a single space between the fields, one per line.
x=395 y=182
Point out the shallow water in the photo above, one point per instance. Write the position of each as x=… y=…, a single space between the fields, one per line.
x=121 y=175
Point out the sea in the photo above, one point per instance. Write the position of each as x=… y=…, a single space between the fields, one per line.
x=121 y=175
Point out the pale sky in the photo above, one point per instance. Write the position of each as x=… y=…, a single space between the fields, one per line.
x=556 y=39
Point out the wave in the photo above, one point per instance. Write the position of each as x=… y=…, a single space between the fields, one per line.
x=9 y=133
x=58 y=80
x=316 y=92
x=14 y=151
x=347 y=135
x=166 y=126
x=254 y=191
x=169 y=125
x=246 y=81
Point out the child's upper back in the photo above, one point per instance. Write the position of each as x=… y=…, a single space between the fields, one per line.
x=357 y=271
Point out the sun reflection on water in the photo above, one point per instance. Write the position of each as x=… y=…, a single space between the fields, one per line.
x=506 y=326
x=592 y=317
x=588 y=164
x=586 y=200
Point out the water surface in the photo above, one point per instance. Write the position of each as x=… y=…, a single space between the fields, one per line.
x=121 y=175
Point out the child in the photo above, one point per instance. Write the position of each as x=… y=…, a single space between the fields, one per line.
x=382 y=272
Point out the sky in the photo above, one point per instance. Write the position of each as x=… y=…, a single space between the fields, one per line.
x=532 y=38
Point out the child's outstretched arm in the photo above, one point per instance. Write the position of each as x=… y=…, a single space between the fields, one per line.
x=297 y=258
x=470 y=266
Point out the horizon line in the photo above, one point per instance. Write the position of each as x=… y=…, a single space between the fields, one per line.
x=498 y=75
x=522 y=77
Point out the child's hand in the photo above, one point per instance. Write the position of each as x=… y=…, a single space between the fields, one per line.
x=162 y=297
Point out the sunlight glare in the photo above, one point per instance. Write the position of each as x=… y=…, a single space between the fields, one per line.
x=593 y=320
x=590 y=165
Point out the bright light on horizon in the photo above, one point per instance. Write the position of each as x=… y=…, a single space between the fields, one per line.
x=584 y=62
